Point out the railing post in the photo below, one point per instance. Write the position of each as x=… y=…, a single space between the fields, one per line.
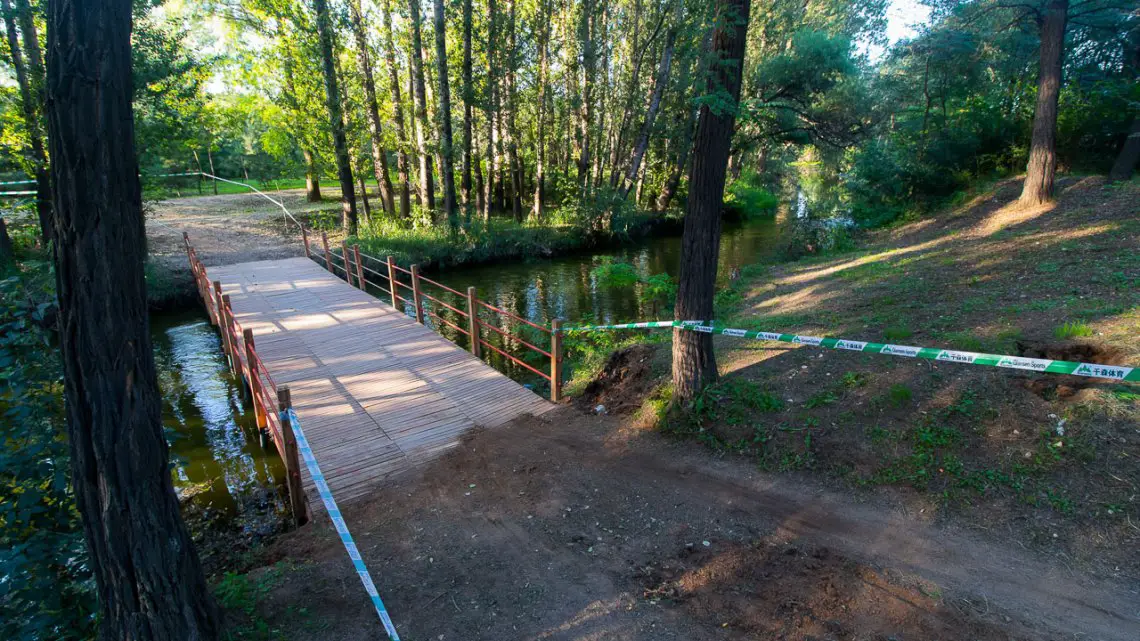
x=416 y=298
x=344 y=256
x=473 y=323
x=305 y=237
x=254 y=381
x=186 y=241
x=360 y=282
x=556 y=360
x=392 y=281
x=328 y=256
x=292 y=459
x=227 y=336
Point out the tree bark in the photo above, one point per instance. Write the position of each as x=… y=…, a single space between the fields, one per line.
x=1129 y=154
x=1042 y=165
x=444 y=117
x=694 y=363
x=659 y=84
x=468 y=98
x=150 y=582
x=5 y=244
x=312 y=178
x=427 y=179
x=375 y=129
x=492 y=107
x=404 y=188
x=585 y=110
x=336 y=117
x=512 y=115
x=31 y=104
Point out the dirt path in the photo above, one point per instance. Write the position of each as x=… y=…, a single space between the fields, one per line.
x=581 y=527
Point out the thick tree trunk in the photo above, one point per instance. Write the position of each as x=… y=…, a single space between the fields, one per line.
x=694 y=363
x=1042 y=165
x=492 y=107
x=31 y=103
x=336 y=117
x=1129 y=154
x=427 y=179
x=654 y=107
x=398 y=108
x=312 y=178
x=375 y=130
x=444 y=118
x=468 y=98
x=149 y=579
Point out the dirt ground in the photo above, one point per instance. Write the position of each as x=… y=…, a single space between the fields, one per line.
x=577 y=526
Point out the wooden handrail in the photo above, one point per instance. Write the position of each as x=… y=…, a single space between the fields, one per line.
x=506 y=334
x=510 y=315
x=519 y=361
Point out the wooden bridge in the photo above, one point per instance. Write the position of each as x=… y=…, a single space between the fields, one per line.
x=377 y=391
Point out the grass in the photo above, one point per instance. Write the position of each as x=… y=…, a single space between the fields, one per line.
x=1072 y=329
x=182 y=187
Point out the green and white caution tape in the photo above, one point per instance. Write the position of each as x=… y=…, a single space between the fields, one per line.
x=1043 y=365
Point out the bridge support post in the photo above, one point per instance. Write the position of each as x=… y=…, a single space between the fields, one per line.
x=254 y=382
x=347 y=266
x=305 y=238
x=392 y=281
x=473 y=324
x=328 y=256
x=417 y=298
x=360 y=282
x=225 y=313
x=292 y=459
x=556 y=360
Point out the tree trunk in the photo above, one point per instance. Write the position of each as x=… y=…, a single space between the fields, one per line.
x=538 y=210
x=375 y=130
x=5 y=245
x=492 y=107
x=148 y=576
x=468 y=98
x=1042 y=165
x=635 y=56
x=444 y=117
x=364 y=196
x=336 y=117
x=654 y=104
x=210 y=159
x=398 y=109
x=694 y=363
x=511 y=115
x=427 y=179
x=673 y=181
x=585 y=113
x=312 y=178
x=31 y=104
x=1129 y=154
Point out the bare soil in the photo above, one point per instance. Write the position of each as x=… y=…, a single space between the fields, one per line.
x=576 y=526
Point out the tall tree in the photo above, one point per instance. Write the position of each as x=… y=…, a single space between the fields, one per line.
x=443 y=114
x=398 y=113
x=1042 y=165
x=336 y=117
x=29 y=78
x=427 y=180
x=654 y=106
x=492 y=102
x=372 y=108
x=511 y=116
x=468 y=98
x=545 y=19
x=585 y=109
x=150 y=582
x=694 y=363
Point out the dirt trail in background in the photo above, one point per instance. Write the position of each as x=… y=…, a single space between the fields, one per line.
x=227 y=229
x=575 y=526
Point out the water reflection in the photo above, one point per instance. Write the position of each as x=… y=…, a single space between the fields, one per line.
x=214 y=446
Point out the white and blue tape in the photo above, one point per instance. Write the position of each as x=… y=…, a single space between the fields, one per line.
x=290 y=418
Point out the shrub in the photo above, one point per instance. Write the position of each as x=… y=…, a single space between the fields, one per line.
x=1074 y=329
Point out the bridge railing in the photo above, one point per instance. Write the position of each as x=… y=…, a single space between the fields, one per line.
x=475 y=319
x=244 y=362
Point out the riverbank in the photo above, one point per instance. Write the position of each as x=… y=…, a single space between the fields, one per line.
x=1051 y=461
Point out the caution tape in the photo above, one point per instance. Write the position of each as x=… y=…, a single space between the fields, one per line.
x=1041 y=365
x=290 y=417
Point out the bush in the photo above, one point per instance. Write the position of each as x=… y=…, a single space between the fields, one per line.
x=746 y=198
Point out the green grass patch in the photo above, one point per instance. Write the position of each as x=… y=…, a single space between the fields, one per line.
x=1072 y=329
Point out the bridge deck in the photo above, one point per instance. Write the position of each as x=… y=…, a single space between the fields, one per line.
x=375 y=391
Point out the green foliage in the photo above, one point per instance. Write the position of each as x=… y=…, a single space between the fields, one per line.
x=47 y=590
x=1072 y=329
x=243 y=593
x=899 y=395
x=746 y=197
x=657 y=290
x=615 y=273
